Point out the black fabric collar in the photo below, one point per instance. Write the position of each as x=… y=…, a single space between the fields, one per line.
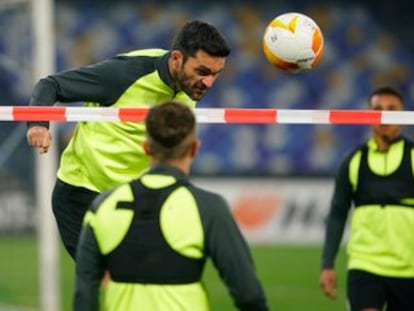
x=163 y=169
x=162 y=68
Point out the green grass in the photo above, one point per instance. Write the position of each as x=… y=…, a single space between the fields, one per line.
x=290 y=276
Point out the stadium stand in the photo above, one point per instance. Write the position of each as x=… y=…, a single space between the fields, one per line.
x=358 y=56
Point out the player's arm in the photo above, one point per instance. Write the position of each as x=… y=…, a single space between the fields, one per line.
x=89 y=271
x=101 y=83
x=231 y=256
x=335 y=225
x=337 y=216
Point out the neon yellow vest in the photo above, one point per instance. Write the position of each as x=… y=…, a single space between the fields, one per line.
x=381 y=237
x=101 y=155
x=182 y=229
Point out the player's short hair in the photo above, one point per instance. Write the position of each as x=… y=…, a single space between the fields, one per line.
x=386 y=90
x=171 y=129
x=198 y=35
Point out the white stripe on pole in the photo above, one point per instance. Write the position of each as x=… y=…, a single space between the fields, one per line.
x=210 y=115
x=92 y=114
x=43 y=64
x=397 y=117
x=6 y=113
x=302 y=116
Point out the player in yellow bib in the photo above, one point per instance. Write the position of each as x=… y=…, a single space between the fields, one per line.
x=378 y=180
x=104 y=154
x=155 y=233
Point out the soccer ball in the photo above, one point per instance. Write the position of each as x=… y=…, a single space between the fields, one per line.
x=293 y=42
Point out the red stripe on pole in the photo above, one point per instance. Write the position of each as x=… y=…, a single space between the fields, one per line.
x=261 y=116
x=30 y=113
x=355 y=117
x=133 y=114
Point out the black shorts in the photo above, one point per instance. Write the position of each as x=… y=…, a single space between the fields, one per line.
x=368 y=290
x=69 y=204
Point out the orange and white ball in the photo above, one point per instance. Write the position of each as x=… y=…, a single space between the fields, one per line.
x=293 y=42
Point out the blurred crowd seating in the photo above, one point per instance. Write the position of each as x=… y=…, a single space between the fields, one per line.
x=359 y=56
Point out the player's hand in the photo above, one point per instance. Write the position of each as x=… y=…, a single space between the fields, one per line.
x=328 y=283
x=39 y=137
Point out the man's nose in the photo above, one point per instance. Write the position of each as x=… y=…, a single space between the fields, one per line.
x=208 y=81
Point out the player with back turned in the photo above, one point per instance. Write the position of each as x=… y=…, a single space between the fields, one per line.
x=155 y=233
x=378 y=180
x=101 y=155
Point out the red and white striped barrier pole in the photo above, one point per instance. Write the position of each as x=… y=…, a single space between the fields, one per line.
x=209 y=115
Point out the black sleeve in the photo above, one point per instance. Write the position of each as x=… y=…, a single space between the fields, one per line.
x=101 y=83
x=89 y=272
x=231 y=256
x=337 y=217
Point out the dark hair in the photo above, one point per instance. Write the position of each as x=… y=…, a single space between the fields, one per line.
x=386 y=90
x=170 y=130
x=197 y=35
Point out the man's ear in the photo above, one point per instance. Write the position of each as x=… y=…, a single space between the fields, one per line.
x=176 y=60
x=176 y=55
x=147 y=148
x=195 y=146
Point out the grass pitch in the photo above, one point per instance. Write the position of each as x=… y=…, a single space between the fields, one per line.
x=290 y=276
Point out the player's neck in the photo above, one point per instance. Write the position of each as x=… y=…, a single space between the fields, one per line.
x=384 y=142
x=183 y=165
